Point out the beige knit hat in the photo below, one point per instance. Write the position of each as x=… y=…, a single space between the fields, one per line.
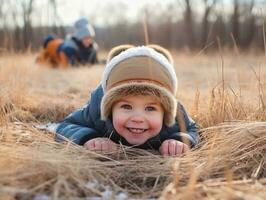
x=140 y=71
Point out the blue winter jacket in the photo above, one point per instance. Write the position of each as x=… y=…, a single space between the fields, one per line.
x=76 y=52
x=85 y=124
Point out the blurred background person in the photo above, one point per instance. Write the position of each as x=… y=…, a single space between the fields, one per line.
x=77 y=49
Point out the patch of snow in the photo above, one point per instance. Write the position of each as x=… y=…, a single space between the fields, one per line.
x=48 y=127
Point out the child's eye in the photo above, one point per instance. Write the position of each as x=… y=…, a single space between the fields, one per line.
x=150 y=108
x=126 y=107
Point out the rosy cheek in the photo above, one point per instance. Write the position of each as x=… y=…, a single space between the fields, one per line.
x=118 y=123
x=156 y=124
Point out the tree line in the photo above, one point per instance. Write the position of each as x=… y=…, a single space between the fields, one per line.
x=184 y=24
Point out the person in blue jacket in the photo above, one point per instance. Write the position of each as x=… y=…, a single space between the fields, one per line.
x=134 y=105
x=78 y=49
x=81 y=47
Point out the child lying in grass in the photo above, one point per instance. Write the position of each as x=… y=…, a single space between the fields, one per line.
x=134 y=105
x=78 y=49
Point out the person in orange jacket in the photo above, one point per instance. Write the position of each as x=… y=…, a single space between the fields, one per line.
x=78 y=49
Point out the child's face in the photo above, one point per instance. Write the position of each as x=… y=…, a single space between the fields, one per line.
x=137 y=118
x=87 y=41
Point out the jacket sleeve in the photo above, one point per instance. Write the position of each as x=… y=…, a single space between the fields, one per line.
x=79 y=126
x=191 y=136
x=70 y=53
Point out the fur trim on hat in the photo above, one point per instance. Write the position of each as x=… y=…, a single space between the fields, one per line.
x=167 y=100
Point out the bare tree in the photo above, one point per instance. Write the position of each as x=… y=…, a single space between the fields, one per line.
x=205 y=24
x=235 y=22
x=1 y=22
x=249 y=26
x=164 y=26
x=53 y=3
x=27 y=8
x=188 y=25
x=6 y=23
x=1 y=9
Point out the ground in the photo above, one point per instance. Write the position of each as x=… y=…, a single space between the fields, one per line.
x=224 y=93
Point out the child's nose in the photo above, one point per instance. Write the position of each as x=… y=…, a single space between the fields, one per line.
x=137 y=118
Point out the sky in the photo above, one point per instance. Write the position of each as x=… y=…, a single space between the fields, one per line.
x=101 y=13
x=104 y=12
x=130 y=8
x=70 y=10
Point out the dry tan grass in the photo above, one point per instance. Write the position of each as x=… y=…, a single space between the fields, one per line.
x=230 y=162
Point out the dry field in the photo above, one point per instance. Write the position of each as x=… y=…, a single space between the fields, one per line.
x=225 y=94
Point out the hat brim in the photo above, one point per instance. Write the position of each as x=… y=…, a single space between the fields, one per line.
x=167 y=100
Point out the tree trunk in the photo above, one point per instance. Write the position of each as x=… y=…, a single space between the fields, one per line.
x=189 y=31
x=27 y=28
x=235 y=22
x=205 y=24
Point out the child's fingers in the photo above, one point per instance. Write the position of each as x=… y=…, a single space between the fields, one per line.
x=164 y=149
x=109 y=145
x=90 y=145
x=112 y=145
x=105 y=145
x=179 y=148
x=98 y=145
x=172 y=148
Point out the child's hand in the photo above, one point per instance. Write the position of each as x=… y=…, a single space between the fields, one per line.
x=100 y=144
x=173 y=147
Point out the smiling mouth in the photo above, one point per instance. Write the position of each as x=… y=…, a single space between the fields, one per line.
x=136 y=130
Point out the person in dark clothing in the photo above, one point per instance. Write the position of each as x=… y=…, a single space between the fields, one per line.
x=134 y=105
x=78 y=49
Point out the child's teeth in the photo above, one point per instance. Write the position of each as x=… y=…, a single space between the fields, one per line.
x=136 y=130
